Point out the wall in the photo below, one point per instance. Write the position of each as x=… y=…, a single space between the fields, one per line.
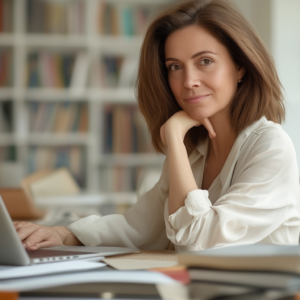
x=278 y=24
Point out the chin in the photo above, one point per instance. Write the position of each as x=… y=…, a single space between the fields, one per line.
x=199 y=115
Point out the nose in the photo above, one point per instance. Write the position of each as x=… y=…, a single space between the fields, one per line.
x=192 y=78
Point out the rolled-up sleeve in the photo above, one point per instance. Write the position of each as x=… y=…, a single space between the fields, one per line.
x=262 y=198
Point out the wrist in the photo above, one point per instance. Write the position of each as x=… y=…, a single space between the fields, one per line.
x=67 y=237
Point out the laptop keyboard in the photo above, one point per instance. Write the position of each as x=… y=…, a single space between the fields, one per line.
x=41 y=253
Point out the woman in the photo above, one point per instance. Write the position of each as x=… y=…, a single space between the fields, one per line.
x=213 y=103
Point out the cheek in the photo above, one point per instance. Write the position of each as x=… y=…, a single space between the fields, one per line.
x=225 y=84
x=174 y=84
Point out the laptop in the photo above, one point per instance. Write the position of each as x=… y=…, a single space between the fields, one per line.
x=12 y=251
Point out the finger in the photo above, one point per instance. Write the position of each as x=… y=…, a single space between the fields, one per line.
x=46 y=244
x=206 y=123
x=25 y=231
x=19 y=225
x=38 y=236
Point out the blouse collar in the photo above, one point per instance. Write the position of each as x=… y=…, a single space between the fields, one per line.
x=202 y=148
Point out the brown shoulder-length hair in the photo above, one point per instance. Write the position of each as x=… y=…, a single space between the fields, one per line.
x=258 y=95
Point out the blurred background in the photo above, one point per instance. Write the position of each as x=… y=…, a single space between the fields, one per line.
x=67 y=76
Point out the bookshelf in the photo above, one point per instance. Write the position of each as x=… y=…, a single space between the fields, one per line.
x=44 y=47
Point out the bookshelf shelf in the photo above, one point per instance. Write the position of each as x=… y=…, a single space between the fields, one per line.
x=7 y=139
x=118 y=95
x=51 y=40
x=54 y=94
x=130 y=160
x=31 y=97
x=7 y=39
x=6 y=93
x=84 y=200
x=56 y=139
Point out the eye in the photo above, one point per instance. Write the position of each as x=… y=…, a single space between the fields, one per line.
x=174 y=67
x=205 y=62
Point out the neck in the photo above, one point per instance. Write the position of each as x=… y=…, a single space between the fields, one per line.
x=220 y=146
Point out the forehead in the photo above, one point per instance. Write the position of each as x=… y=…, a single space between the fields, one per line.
x=190 y=40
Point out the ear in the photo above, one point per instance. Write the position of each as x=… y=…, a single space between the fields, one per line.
x=241 y=72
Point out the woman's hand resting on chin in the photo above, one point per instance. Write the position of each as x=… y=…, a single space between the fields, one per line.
x=178 y=125
x=35 y=236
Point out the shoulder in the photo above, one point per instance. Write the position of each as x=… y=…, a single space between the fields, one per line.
x=267 y=145
x=267 y=135
x=268 y=153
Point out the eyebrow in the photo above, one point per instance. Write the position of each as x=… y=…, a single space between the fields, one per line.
x=193 y=56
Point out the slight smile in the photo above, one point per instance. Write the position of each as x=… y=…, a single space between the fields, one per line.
x=196 y=99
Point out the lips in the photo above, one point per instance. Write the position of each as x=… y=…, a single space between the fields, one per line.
x=196 y=99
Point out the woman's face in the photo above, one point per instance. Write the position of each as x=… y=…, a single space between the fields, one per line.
x=201 y=73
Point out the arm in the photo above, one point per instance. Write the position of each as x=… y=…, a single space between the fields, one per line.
x=142 y=226
x=181 y=176
x=262 y=202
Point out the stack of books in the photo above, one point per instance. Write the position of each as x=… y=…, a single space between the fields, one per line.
x=243 y=270
x=55 y=17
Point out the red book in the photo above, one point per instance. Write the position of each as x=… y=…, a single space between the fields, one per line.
x=178 y=273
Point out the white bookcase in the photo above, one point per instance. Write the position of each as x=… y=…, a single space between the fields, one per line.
x=21 y=43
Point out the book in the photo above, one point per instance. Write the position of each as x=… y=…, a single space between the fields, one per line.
x=5 y=116
x=125 y=130
x=278 y=280
x=56 y=183
x=145 y=259
x=45 y=158
x=5 y=68
x=80 y=73
x=259 y=257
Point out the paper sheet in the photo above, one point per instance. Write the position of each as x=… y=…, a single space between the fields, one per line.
x=31 y=283
x=146 y=259
x=137 y=264
x=9 y=272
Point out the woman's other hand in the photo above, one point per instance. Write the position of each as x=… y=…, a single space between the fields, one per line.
x=35 y=236
x=179 y=124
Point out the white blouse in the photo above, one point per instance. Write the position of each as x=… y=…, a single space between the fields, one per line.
x=255 y=199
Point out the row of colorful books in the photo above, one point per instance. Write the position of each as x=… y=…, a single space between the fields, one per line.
x=5 y=67
x=53 y=17
x=6 y=116
x=54 y=70
x=125 y=130
x=49 y=70
x=73 y=158
x=114 y=71
x=6 y=16
x=120 y=179
x=123 y=19
x=58 y=117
